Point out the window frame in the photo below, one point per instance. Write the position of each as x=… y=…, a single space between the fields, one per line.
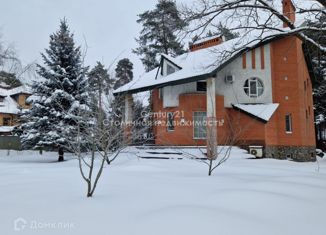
x=204 y=118
x=5 y=119
x=259 y=87
x=288 y=124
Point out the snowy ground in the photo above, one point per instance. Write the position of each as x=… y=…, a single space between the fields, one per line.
x=154 y=197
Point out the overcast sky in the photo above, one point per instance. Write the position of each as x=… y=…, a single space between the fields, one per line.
x=108 y=26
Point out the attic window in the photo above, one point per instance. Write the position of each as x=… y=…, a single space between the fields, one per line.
x=169 y=69
x=201 y=86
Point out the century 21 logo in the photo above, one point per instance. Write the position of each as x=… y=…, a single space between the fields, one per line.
x=19 y=224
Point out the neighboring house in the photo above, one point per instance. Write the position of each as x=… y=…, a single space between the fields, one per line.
x=12 y=101
x=260 y=95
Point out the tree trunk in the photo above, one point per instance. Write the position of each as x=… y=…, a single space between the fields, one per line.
x=60 y=152
x=107 y=160
x=89 y=189
x=210 y=167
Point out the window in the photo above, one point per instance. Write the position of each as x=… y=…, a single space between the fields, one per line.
x=6 y=121
x=169 y=69
x=2 y=99
x=201 y=86
x=288 y=123
x=200 y=125
x=170 y=121
x=253 y=87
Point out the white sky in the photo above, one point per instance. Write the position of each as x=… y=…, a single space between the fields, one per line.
x=109 y=27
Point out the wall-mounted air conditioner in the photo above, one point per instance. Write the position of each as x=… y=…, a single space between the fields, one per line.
x=229 y=79
x=257 y=151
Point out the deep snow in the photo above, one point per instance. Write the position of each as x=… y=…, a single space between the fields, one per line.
x=147 y=196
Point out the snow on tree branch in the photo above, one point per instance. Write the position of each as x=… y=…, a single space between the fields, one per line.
x=244 y=16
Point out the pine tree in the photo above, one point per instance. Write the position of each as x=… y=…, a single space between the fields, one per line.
x=9 y=79
x=159 y=33
x=99 y=79
x=221 y=30
x=100 y=86
x=60 y=95
x=123 y=73
x=226 y=32
x=318 y=59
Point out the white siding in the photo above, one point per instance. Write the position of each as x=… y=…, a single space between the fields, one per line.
x=171 y=93
x=234 y=93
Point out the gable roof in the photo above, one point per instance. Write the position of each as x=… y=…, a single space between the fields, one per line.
x=9 y=104
x=204 y=63
x=262 y=112
x=196 y=65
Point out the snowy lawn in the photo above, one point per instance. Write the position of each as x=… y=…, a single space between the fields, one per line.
x=153 y=197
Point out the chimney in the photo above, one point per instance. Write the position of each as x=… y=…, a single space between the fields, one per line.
x=206 y=42
x=288 y=11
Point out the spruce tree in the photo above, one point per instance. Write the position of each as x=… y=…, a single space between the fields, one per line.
x=60 y=95
x=158 y=34
x=123 y=73
x=318 y=62
x=9 y=79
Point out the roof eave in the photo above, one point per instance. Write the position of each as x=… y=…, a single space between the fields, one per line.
x=250 y=114
x=170 y=83
x=203 y=76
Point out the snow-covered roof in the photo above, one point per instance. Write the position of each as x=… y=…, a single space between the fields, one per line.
x=6 y=129
x=9 y=104
x=20 y=90
x=199 y=64
x=205 y=39
x=204 y=63
x=261 y=111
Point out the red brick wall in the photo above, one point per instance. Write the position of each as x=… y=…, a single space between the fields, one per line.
x=292 y=94
x=287 y=61
x=242 y=127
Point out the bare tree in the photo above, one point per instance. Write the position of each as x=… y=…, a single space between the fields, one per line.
x=248 y=16
x=98 y=138
x=10 y=62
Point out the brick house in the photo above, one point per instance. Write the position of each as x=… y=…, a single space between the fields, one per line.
x=12 y=101
x=259 y=95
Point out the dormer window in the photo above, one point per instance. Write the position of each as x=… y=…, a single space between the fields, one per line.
x=168 y=66
x=169 y=69
x=2 y=99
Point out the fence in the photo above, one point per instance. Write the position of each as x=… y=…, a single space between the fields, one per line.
x=10 y=142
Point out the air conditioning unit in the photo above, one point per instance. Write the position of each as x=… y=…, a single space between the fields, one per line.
x=257 y=151
x=229 y=79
